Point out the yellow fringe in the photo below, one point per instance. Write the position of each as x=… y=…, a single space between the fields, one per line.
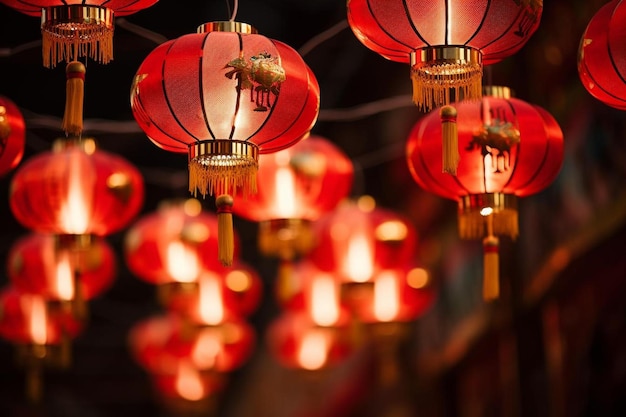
x=68 y=42
x=473 y=225
x=222 y=175
x=433 y=84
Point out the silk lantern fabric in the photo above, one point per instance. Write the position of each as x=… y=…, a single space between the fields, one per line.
x=12 y=135
x=445 y=42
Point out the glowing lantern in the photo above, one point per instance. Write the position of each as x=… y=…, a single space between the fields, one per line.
x=295 y=186
x=160 y=343
x=36 y=265
x=75 y=28
x=221 y=294
x=602 y=55
x=356 y=240
x=446 y=42
x=189 y=384
x=76 y=190
x=173 y=244
x=397 y=295
x=296 y=342
x=224 y=95
x=12 y=135
x=510 y=149
x=40 y=333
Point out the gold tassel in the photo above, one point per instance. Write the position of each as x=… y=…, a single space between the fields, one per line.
x=450 y=147
x=73 y=116
x=225 y=233
x=223 y=176
x=491 y=269
x=473 y=225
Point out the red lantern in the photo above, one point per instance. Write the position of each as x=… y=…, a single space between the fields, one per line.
x=224 y=96
x=75 y=28
x=12 y=135
x=160 y=343
x=220 y=295
x=295 y=186
x=189 y=384
x=602 y=55
x=296 y=342
x=446 y=43
x=509 y=149
x=397 y=295
x=36 y=265
x=356 y=240
x=174 y=244
x=76 y=190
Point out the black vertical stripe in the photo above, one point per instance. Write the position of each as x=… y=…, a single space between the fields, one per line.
x=200 y=89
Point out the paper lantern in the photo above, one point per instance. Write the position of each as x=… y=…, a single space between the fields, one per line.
x=400 y=294
x=173 y=244
x=12 y=135
x=76 y=189
x=160 y=343
x=602 y=55
x=446 y=43
x=72 y=29
x=509 y=149
x=223 y=96
x=219 y=295
x=358 y=239
x=37 y=265
x=294 y=187
x=296 y=342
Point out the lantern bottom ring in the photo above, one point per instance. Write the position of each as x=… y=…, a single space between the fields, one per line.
x=445 y=74
x=501 y=220
x=72 y=31
x=222 y=166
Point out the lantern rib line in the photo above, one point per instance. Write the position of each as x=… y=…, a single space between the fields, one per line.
x=613 y=64
x=480 y=26
x=238 y=88
x=519 y=146
x=201 y=90
x=167 y=99
x=410 y=20
x=601 y=88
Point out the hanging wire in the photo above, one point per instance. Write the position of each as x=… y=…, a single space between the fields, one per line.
x=235 y=8
x=323 y=37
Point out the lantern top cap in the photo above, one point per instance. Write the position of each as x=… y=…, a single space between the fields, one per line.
x=498 y=91
x=77 y=13
x=86 y=144
x=227 y=26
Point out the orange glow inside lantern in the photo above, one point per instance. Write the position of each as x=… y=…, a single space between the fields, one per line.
x=313 y=349
x=181 y=262
x=64 y=277
x=188 y=382
x=207 y=348
x=324 y=300
x=211 y=304
x=386 y=296
x=285 y=183
x=34 y=308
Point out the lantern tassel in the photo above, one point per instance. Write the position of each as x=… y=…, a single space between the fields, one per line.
x=74 y=94
x=491 y=264
x=440 y=84
x=225 y=233
x=450 y=147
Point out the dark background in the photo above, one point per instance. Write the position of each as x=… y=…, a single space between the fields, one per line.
x=554 y=345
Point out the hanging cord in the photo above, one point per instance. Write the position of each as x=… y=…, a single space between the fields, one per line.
x=322 y=37
x=235 y=8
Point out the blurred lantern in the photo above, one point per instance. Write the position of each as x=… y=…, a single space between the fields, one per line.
x=161 y=343
x=40 y=333
x=37 y=266
x=224 y=95
x=221 y=294
x=12 y=135
x=358 y=239
x=295 y=186
x=72 y=29
x=76 y=190
x=173 y=247
x=297 y=342
x=510 y=149
x=400 y=294
x=602 y=55
x=446 y=43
